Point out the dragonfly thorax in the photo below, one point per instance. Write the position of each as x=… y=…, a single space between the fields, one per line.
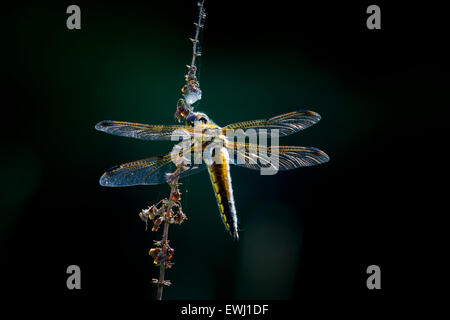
x=215 y=153
x=198 y=119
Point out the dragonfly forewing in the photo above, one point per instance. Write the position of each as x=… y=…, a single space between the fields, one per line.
x=287 y=123
x=145 y=131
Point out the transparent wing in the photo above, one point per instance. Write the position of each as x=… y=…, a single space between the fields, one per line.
x=144 y=172
x=256 y=157
x=287 y=123
x=144 y=131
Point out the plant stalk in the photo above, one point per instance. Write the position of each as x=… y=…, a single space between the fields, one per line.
x=162 y=268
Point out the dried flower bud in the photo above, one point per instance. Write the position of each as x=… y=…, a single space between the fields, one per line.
x=176 y=195
x=169 y=252
x=179 y=217
x=154 y=252
x=158 y=243
x=144 y=218
x=157 y=224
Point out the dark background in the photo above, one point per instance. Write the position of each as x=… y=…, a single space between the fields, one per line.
x=306 y=235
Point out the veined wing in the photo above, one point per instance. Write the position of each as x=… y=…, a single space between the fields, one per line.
x=145 y=131
x=287 y=123
x=144 y=172
x=256 y=157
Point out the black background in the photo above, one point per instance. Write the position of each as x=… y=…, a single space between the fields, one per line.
x=375 y=202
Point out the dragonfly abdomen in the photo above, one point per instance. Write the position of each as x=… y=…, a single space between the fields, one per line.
x=221 y=181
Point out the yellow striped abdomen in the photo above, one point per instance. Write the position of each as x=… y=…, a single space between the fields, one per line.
x=221 y=181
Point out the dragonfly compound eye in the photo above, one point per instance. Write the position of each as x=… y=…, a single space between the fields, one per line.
x=191 y=118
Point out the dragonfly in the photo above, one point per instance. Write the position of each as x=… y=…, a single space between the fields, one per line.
x=222 y=153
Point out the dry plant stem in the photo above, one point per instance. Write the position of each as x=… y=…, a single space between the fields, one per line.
x=162 y=268
x=174 y=198
x=198 y=25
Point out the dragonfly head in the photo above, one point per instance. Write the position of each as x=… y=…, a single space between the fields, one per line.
x=197 y=119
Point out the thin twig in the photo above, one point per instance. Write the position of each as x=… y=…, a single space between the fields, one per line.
x=163 y=211
x=191 y=90
x=198 y=26
x=162 y=267
x=166 y=211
